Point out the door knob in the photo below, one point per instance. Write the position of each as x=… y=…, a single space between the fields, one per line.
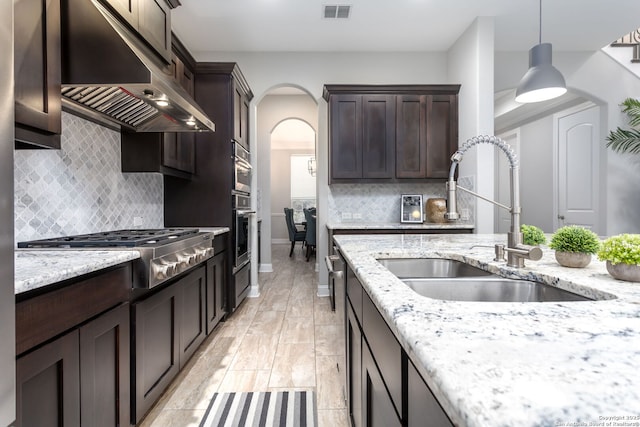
x=561 y=217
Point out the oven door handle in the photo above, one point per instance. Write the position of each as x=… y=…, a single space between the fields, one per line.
x=245 y=213
x=243 y=163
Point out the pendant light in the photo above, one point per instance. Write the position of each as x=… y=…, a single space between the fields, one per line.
x=542 y=81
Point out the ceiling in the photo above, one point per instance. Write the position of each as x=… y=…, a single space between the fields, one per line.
x=397 y=25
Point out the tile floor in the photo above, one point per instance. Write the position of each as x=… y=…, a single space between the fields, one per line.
x=288 y=338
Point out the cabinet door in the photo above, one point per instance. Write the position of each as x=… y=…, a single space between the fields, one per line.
x=442 y=134
x=378 y=142
x=354 y=366
x=345 y=146
x=411 y=137
x=378 y=410
x=154 y=24
x=48 y=385
x=37 y=72
x=423 y=408
x=178 y=151
x=193 y=328
x=156 y=347
x=127 y=9
x=216 y=282
x=104 y=370
x=240 y=116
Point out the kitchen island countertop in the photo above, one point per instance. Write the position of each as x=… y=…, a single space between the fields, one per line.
x=398 y=226
x=508 y=364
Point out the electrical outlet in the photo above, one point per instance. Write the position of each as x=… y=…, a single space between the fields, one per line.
x=357 y=216
x=137 y=221
x=346 y=215
x=464 y=214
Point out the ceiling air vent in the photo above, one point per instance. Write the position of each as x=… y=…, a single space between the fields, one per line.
x=336 y=11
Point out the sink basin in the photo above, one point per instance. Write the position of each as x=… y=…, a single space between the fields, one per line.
x=431 y=267
x=452 y=280
x=491 y=288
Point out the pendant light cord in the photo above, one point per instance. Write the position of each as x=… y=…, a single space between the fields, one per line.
x=540 y=32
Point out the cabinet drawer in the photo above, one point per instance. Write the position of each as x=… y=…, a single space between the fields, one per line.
x=385 y=350
x=44 y=316
x=354 y=293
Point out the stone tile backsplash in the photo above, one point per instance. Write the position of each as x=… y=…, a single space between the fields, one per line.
x=380 y=203
x=80 y=188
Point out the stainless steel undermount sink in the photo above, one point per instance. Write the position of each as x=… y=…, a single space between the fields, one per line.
x=453 y=280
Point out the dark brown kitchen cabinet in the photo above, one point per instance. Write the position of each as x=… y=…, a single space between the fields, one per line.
x=391 y=133
x=150 y=18
x=168 y=327
x=216 y=283
x=363 y=136
x=240 y=115
x=48 y=385
x=427 y=135
x=423 y=408
x=377 y=406
x=156 y=349
x=80 y=378
x=383 y=386
x=170 y=153
x=37 y=68
x=193 y=328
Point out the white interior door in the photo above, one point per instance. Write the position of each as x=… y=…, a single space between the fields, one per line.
x=502 y=218
x=578 y=171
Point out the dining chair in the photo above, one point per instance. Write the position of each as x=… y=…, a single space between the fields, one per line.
x=295 y=235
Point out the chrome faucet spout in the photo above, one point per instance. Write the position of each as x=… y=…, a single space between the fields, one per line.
x=516 y=251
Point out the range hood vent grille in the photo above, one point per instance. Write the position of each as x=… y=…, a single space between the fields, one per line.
x=114 y=102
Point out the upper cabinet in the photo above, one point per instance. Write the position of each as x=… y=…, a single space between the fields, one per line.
x=150 y=18
x=391 y=133
x=37 y=73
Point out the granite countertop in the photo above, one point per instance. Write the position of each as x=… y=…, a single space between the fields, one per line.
x=512 y=364
x=215 y=230
x=35 y=268
x=397 y=226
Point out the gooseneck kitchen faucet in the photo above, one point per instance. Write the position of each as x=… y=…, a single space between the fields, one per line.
x=517 y=252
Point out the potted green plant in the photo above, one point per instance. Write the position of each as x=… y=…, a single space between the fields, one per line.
x=627 y=140
x=574 y=245
x=622 y=254
x=532 y=235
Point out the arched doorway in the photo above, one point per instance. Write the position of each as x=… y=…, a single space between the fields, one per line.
x=281 y=114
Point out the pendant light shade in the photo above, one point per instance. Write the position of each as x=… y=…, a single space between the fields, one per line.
x=542 y=81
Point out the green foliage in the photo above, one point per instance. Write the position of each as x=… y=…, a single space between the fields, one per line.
x=532 y=235
x=623 y=248
x=627 y=140
x=574 y=238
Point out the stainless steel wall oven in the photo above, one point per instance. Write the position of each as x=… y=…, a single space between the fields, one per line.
x=241 y=169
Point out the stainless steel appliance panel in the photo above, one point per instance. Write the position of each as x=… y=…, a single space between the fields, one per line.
x=242 y=169
x=7 y=297
x=241 y=213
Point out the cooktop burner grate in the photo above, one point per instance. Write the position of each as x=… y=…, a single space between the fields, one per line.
x=118 y=238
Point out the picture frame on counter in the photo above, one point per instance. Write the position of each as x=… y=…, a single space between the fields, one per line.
x=411 y=210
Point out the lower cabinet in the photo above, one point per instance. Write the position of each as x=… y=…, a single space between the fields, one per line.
x=81 y=378
x=383 y=386
x=168 y=326
x=377 y=408
x=216 y=284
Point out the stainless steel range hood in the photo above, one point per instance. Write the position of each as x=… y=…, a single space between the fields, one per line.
x=108 y=71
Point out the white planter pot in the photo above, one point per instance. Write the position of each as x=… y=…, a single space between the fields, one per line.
x=573 y=259
x=627 y=272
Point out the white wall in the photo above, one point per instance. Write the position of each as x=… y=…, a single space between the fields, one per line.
x=470 y=62
x=598 y=78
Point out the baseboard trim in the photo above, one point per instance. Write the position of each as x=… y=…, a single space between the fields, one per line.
x=323 y=290
x=280 y=241
x=254 y=291
x=265 y=268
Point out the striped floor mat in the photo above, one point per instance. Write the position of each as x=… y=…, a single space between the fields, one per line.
x=262 y=409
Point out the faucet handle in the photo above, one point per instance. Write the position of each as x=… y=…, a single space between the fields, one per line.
x=499 y=253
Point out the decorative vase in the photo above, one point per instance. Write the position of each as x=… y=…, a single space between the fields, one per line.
x=435 y=210
x=621 y=271
x=573 y=259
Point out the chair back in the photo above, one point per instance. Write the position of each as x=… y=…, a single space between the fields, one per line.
x=311 y=227
x=291 y=228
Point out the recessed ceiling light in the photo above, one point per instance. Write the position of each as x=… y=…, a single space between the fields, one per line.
x=337 y=11
x=191 y=122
